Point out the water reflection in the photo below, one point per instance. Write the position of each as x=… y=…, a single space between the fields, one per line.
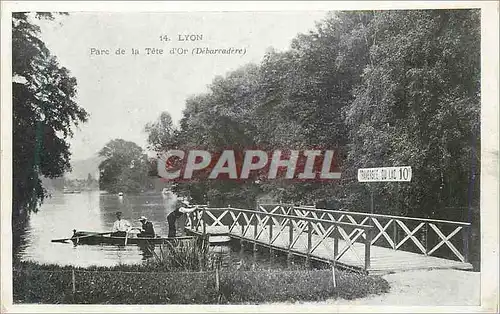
x=91 y=211
x=146 y=250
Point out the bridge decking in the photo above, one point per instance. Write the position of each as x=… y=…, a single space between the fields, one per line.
x=351 y=239
x=383 y=260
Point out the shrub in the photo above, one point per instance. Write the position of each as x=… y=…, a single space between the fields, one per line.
x=187 y=256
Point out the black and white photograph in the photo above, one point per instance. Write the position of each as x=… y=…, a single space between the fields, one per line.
x=261 y=158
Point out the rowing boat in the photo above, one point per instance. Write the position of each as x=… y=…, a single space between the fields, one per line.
x=95 y=238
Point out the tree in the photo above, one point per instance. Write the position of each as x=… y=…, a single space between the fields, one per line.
x=418 y=104
x=44 y=113
x=303 y=93
x=161 y=133
x=380 y=88
x=124 y=169
x=221 y=119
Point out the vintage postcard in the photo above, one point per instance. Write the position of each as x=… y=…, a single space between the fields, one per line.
x=249 y=156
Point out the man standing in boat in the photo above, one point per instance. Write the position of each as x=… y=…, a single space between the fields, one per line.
x=147 y=228
x=182 y=207
x=121 y=226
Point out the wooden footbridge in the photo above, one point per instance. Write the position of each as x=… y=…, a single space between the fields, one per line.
x=367 y=242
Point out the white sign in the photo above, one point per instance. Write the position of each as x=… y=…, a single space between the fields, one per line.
x=385 y=174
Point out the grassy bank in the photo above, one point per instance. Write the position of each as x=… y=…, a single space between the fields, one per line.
x=141 y=284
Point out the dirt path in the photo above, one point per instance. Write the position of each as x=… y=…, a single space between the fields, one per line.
x=424 y=288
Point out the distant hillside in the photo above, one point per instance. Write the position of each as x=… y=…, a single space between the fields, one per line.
x=82 y=167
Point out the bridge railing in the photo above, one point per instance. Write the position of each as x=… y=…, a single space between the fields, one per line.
x=297 y=234
x=432 y=237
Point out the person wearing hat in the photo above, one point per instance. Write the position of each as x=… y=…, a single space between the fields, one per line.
x=147 y=230
x=182 y=207
x=121 y=226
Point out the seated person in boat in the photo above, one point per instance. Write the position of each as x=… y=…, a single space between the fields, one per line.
x=147 y=230
x=182 y=207
x=121 y=226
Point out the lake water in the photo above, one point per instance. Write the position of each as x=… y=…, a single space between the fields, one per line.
x=93 y=211
x=90 y=211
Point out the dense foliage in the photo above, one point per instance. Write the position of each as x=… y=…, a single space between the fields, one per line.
x=382 y=88
x=125 y=167
x=44 y=113
x=418 y=104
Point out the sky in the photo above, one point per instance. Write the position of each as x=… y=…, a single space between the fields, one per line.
x=124 y=92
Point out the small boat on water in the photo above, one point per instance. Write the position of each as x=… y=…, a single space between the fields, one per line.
x=96 y=238
x=68 y=191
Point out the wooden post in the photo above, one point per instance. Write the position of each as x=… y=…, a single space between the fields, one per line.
x=335 y=243
x=242 y=228
x=395 y=233
x=368 y=243
x=162 y=255
x=426 y=238
x=466 y=236
x=270 y=232
x=217 y=278
x=309 y=241
x=290 y=241
x=73 y=283
x=242 y=248
x=290 y=224
x=204 y=226
x=333 y=275
x=191 y=218
x=198 y=220
x=270 y=240
x=254 y=255
x=200 y=264
x=255 y=224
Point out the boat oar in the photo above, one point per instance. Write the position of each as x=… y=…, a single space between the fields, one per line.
x=60 y=240
x=80 y=237
x=128 y=232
